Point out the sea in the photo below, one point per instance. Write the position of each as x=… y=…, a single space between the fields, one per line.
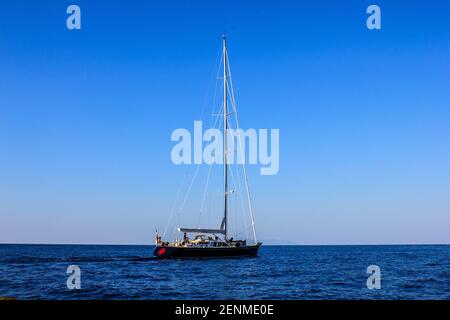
x=278 y=272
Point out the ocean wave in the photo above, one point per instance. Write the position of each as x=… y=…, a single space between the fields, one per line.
x=75 y=259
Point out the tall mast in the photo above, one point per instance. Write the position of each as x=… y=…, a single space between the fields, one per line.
x=225 y=126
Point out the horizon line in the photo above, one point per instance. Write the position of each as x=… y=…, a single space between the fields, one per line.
x=287 y=244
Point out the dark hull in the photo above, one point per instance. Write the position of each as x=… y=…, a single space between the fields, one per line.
x=192 y=252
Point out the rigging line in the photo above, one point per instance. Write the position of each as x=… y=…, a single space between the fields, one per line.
x=217 y=125
x=241 y=201
x=217 y=87
x=189 y=189
x=201 y=116
x=175 y=203
x=238 y=183
x=217 y=61
x=242 y=232
x=233 y=103
x=244 y=212
x=202 y=205
x=215 y=102
x=186 y=197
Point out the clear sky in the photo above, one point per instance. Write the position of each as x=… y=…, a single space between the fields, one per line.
x=364 y=116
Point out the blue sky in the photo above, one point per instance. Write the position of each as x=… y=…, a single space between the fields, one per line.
x=86 y=116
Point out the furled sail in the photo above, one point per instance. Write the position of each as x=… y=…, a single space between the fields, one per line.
x=198 y=230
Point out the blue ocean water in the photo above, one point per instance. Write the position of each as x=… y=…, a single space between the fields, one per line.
x=279 y=272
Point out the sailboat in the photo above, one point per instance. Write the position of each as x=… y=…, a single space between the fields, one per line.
x=210 y=242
